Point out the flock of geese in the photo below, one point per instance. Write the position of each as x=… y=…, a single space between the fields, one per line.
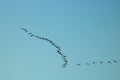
x=59 y=51
x=99 y=62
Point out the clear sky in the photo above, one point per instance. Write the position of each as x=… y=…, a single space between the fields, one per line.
x=86 y=31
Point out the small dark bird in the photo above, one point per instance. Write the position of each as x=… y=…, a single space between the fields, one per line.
x=87 y=64
x=48 y=40
x=42 y=38
x=24 y=29
x=53 y=43
x=31 y=35
x=37 y=36
x=64 y=65
x=59 y=52
x=101 y=62
x=59 y=49
x=109 y=62
x=65 y=60
x=56 y=46
x=94 y=62
x=64 y=56
x=79 y=64
x=114 y=61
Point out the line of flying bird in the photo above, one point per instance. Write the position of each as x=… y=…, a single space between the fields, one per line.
x=100 y=62
x=59 y=51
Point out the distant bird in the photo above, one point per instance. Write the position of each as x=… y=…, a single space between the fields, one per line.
x=37 y=36
x=53 y=43
x=59 y=52
x=109 y=62
x=101 y=62
x=114 y=61
x=42 y=38
x=56 y=46
x=64 y=56
x=64 y=65
x=87 y=63
x=65 y=60
x=79 y=64
x=94 y=62
x=31 y=35
x=50 y=41
x=59 y=49
x=24 y=29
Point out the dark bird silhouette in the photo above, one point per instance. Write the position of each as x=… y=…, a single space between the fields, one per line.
x=59 y=52
x=101 y=62
x=49 y=40
x=63 y=65
x=66 y=61
x=37 y=36
x=114 y=61
x=53 y=43
x=24 y=29
x=109 y=62
x=42 y=38
x=94 y=62
x=64 y=56
x=79 y=64
x=31 y=35
x=87 y=63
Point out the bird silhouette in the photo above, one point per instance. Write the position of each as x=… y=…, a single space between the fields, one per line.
x=94 y=62
x=101 y=62
x=64 y=56
x=109 y=62
x=59 y=52
x=48 y=40
x=114 y=61
x=24 y=29
x=78 y=64
x=31 y=35
x=37 y=36
x=87 y=63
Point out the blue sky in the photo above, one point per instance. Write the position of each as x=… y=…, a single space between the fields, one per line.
x=86 y=31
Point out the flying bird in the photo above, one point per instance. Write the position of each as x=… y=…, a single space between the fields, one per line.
x=59 y=52
x=87 y=63
x=114 y=61
x=24 y=29
x=31 y=35
x=94 y=62
x=64 y=56
x=109 y=62
x=101 y=62
x=78 y=64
